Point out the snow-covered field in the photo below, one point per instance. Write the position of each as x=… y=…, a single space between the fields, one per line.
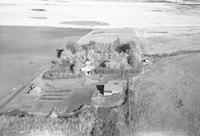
x=90 y=14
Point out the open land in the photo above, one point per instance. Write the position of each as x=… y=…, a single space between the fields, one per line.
x=24 y=51
x=150 y=59
x=78 y=14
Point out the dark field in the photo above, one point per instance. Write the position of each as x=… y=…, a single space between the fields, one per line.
x=26 y=50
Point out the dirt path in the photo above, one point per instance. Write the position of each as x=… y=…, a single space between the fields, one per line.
x=11 y=96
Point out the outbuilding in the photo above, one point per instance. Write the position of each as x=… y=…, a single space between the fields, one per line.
x=114 y=87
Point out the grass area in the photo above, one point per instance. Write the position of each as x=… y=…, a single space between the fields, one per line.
x=164 y=100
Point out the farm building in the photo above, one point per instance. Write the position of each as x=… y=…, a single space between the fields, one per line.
x=112 y=87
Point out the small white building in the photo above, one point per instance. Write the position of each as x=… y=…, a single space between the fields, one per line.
x=89 y=67
x=35 y=91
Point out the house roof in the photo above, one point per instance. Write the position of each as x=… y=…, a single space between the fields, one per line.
x=116 y=86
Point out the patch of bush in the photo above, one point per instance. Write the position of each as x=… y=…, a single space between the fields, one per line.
x=132 y=61
x=123 y=48
x=80 y=125
x=110 y=58
x=88 y=46
x=105 y=125
x=105 y=129
x=72 y=47
x=59 y=52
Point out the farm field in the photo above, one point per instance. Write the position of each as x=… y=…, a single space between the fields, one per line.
x=24 y=51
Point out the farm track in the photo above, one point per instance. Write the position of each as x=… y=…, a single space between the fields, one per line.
x=181 y=52
x=12 y=96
